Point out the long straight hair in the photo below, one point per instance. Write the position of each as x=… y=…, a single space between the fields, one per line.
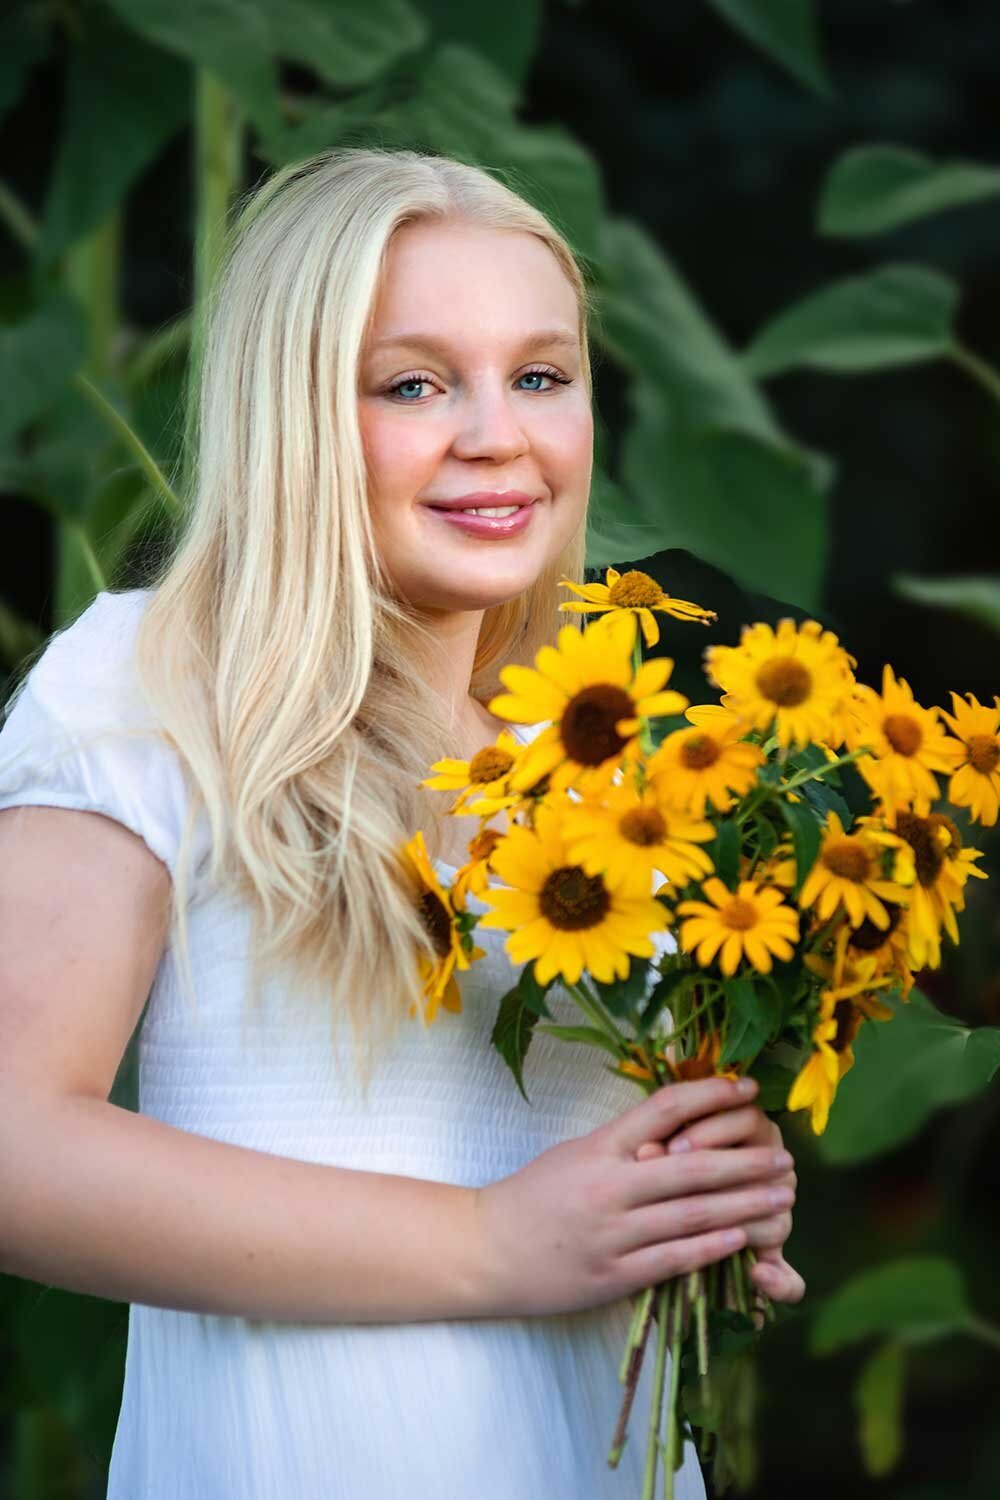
x=294 y=685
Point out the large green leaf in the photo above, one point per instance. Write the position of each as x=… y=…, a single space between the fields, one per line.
x=38 y=357
x=751 y=505
x=916 y=1298
x=508 y=36
x=786 y=29
x=904 y=1070
x=875 y=188
x=346 y=43
x=125 y=99
x=878 y=1401
x=897 y=315
x=975 y=596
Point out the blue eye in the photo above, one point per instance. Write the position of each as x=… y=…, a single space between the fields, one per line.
x=404 y=380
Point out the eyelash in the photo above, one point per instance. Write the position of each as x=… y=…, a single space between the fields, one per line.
x=417 y=379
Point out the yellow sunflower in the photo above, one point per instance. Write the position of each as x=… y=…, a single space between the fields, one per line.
x=628 y=835
x=474 y=874
x=797 y=678
x=485 y=775
x=889 y=948
x=589 y=689
x=753 y=922
x=438 y=916
x=943 y=866
x=851 y=977
x=907 y=741
x=637 y=592
x=848 y=872
x=815 y=1085
x=558 y=915
x=705 y=764
x=975 y=783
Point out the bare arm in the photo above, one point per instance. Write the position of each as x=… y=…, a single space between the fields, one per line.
x=97 y=1199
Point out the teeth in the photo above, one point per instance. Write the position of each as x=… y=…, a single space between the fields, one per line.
x=503 y=510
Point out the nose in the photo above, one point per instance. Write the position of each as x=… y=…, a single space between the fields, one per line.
x=489 y=425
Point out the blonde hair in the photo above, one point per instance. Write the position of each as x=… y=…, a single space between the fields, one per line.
x=272 y=649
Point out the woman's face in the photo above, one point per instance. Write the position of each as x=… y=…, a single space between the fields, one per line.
x=495 y=403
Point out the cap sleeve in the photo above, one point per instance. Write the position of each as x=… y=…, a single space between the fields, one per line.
x=79 y=732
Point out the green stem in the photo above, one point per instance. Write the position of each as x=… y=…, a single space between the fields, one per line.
x=596 y=1014
x=666 y=1293
x=817 y=773
x=984 y=1331
x=92 y=274
x=691 y=1016
x=89 y=556
x=674 y=1435
x=645 y=732
x=18 y=220
x=973 y=365
x=132 y=440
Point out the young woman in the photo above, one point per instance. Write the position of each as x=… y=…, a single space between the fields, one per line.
x=389 y=1275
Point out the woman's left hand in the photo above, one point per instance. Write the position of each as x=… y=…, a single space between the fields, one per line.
x=747 y=1125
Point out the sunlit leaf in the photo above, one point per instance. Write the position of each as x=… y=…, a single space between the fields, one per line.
x=916 y=1298
x=975 y=596
x=875 y=188
x=896 y=315
x=878 y=1401
x=787 y=30
x=904 y=1070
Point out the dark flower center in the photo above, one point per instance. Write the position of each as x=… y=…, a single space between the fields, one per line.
x=928 y=854
x=848 y=1018
x=490 y=764
x=635 y=588
x=848 y=858
x=588 y=723
x=435 y=918
x=868 y=938
x=739 y=914
x=784 y=681
x=903 y=733
x=699 y=752
x=983 y=751
x=643 y=826
x=571 y=899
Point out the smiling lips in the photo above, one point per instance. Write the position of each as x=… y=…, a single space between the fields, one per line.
x=487 y=513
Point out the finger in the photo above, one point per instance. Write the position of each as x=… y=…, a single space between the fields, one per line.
x=648 y=1181
x=673 y=1106
x=766 y=1232
x=748 y=1209
x=724 y=1130
x=777 y=1279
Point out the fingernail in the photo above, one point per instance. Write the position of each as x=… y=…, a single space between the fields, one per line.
x=747 y=1086
x=679 y=1143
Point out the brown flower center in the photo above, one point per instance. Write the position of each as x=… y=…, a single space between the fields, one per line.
x=903 y=733
x=643 y=825
x=848 y=1018
x=983 y=751
x=848 y=858
x=571 y=899
x=928 y=853
x=635 y=588
x=784 y=681
x=739 y=914
x=588 y=723
x=484 y=843
x=490 y=764
x=435 y=918
x=868 y=938
x=699 y=752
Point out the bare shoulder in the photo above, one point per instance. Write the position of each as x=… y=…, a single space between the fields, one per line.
x=84 y=915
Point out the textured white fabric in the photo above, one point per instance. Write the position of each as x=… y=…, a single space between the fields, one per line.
x=226 y=1408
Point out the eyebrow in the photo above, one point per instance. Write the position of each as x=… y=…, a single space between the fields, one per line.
x=544 y=337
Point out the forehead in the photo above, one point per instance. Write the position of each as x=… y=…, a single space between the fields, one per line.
x=443 y=283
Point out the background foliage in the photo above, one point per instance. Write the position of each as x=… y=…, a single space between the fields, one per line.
x=792 y=214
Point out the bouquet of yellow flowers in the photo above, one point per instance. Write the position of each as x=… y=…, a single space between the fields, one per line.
x=790 y=836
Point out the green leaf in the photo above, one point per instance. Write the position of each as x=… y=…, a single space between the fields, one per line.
x=532 y=993
x=749 y=504
x=787 y=30
x=897 y=315
x=348 y=45
x=24 y=41
x=806 y=837
x=724 y=852
x=661 y=994
x=916 y=1299
x=38 y=357
x=508 y=35
x=754 y=1012
x=875 y=188
x=512 y=1031
x=775 y=1085
x=878 y=1401
x=621 y=996
x=589 y=1034
x=975 y=597
x=904 y=1070
x=124 y=101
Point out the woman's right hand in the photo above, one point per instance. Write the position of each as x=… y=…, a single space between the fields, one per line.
x=586 y=1222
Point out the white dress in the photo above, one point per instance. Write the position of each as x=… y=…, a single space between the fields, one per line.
x=229 y=1408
